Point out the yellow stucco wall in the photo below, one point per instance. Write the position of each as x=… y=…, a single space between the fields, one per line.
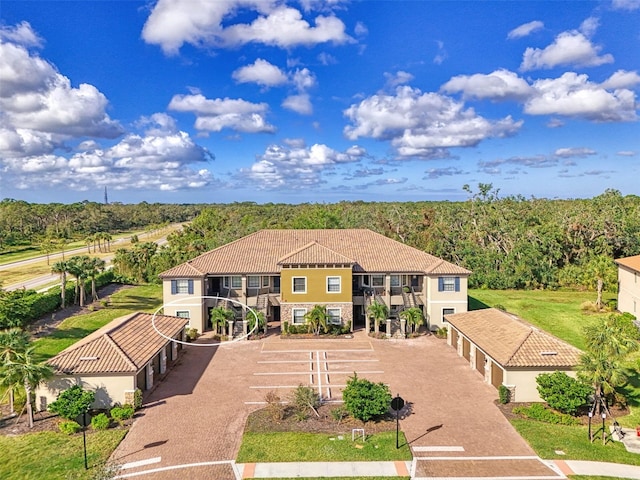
x=316 y=285
x=110 y=389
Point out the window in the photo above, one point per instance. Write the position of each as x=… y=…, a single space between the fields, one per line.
x=395 y=280
x=253 y=281
x=334 y=316
x=333 y=284
x=447 y=311
x=297 y=316
x=449 y=284
x=265 y=281
x=182 y=314
x=299 y=284
x=182 y=286
x=377 y=280
x=236 y=282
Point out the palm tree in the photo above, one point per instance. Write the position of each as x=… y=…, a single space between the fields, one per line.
x=316 y=319
x=61 y=268
x=378 y=312
x=89 y=239
x=107 y=238
x=77 y=266
x=600 y=270
x=219 y=317
x=262 y=322
x=12 y=342
x=603 y=372
x=24 y=370
x=413 y=317
x=93 y=267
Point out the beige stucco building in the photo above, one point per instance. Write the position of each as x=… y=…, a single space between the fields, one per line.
x=629 y=285
x=508 y=351
x=124 y=355
x=285 y=273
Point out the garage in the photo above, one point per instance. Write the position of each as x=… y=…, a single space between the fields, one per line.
x=481 y=359
x=124 y=355
x=496 y=375
x=466 y=348
x=516 y=351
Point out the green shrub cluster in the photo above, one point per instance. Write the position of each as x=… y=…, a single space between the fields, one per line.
x=504 y=394
x=364 y=399
x=69 y=427
x=72 y=402
x=537 y=411
x=120 y=414
x=562 y=392
x=100 y=422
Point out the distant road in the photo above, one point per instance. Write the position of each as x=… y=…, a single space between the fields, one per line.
x=40 y=281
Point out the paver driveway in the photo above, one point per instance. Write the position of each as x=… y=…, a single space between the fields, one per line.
x=196 y=415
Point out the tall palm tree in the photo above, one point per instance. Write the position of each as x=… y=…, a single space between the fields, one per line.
x=107 y=238
x=377 y=312
x=12 y=342
x=77 y=266
x=24 y=370
x=602 y=271
x=93 y=267
x=61 y=268
x=317 y=318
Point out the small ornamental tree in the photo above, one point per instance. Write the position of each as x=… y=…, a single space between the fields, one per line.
x=562 y=392
x=72 y=402
x=364 y=399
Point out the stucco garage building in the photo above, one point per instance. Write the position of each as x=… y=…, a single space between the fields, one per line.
x=115 y=360
x=508 y=351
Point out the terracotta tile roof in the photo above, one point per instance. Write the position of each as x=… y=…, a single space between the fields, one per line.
x=632 y=263
x=124 y=345
x=260 y=252
x=511 y=341
x=314 y=254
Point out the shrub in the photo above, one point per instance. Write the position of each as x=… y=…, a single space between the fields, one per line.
x=192 y=334
x=305 y=399
x=562 y=392
x=100 y=422
x=338 y=414
x=120 y=414
x=137 y=399
x=364 y=399
x=274 y=406
x=285 y=327
x=441 y=332
x=537 y=411
x=589 y=307
x=499 y=306
x=69 y=427
x=72 y=402
x=504 y=394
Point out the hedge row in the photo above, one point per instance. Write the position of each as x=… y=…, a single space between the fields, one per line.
x=20 y=308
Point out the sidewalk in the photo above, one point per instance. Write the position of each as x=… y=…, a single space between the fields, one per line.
x=615 y=470
x=399 y=469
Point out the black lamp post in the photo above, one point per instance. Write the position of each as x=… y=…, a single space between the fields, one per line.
x=84 y=439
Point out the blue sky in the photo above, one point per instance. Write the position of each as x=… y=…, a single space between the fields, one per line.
x=317 y=101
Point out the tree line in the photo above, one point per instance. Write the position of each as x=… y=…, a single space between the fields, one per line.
x=23 y=223
x=508 y=242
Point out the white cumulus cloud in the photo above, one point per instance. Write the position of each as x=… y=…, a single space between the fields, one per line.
x=172 y=23
x=261 y=72
x=217 y=114
x=422 y=124
x=571 y=48
x=499 y=85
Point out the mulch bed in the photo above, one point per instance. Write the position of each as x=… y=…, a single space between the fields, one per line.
x=507 y=410
x=262 y=421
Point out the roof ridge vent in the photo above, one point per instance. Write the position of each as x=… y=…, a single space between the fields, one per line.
x=549 y=353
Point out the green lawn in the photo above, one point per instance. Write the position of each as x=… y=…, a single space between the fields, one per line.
x=316 y=447
x=545 y=439
x=557 y=312
x=146 y=298
x=53 y=455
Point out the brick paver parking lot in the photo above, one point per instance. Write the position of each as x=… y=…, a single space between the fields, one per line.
x=197 y=414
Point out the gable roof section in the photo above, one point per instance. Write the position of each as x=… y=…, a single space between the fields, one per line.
x=314 y=254
x=632 y=263
x=512 y=342
x=124 y=345
x=261 y=252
